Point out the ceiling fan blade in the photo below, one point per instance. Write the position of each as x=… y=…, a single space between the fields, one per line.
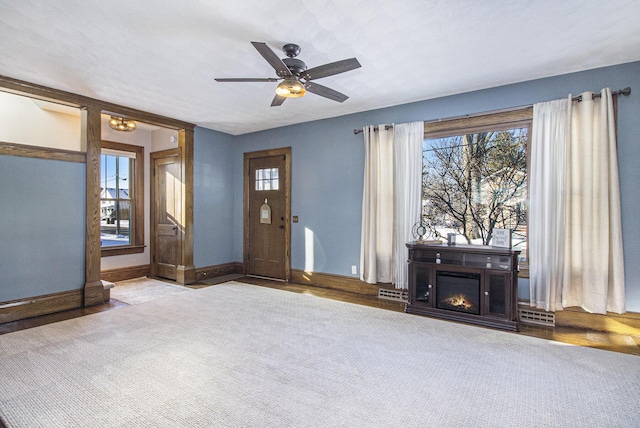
x=323 y=91
x=332 y=68
x=277 y=101
x=281 y=69
x=243 y=79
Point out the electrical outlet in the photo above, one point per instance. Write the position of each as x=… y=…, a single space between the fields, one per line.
x=354 y=270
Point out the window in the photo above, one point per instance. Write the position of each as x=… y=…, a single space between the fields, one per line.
x=267 y=179
x=121 y=199
x=474 y=178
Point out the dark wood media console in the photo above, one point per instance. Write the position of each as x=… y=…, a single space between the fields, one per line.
x=469 y=283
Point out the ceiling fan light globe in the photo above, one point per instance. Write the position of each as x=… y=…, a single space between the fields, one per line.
x=291 y=88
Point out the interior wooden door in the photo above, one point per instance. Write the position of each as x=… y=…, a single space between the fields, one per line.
x=267 y=217
x=167 y=212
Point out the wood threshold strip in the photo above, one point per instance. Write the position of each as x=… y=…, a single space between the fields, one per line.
x=27 y=151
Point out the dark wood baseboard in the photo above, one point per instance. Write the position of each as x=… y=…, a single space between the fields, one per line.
x=628 y=323
x=219 y=270
x=40 y=305
x=335 y=282
x=575 y=317
x=122 y=274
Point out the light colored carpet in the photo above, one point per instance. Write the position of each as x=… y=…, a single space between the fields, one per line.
x=140 y=290
x=237 y=355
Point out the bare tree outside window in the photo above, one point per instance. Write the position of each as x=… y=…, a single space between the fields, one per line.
x=475 y=183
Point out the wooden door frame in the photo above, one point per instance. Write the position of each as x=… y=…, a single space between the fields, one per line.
x=90 y=134
x=248 y=156
x=186 y=271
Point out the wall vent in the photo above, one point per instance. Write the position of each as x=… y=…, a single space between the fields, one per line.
x=393 y=294
x=539 y=317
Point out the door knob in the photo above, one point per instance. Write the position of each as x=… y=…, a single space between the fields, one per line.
x=281 y=226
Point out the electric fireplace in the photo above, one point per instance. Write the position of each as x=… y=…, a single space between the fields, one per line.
x=458 y=291
x=468 y=283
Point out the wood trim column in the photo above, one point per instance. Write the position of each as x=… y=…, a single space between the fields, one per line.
x=91 y=134
x=186 y=272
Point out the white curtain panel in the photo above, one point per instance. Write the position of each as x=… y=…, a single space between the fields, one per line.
x=377 y=206
x=575 y=227
x=549 y=134
x=594 y=267
x=407 y=145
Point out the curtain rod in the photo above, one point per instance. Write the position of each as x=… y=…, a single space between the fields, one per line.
x=375 y=128
x=626 y=92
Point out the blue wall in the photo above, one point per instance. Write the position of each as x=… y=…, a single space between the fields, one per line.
x=42 y=227
x=326 y=191
x=328 y=162
x=213 y=193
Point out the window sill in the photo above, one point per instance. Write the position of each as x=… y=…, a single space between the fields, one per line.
x=118 y=251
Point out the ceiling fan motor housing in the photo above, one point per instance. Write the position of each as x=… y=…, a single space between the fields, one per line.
x=296 y=66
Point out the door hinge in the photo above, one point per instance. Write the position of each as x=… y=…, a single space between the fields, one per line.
x=154 y=259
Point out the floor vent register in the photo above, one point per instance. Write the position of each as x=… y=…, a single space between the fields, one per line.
x=397 y=295
x=538 y=317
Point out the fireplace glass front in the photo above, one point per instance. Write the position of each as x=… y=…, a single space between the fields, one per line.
x=458 y=291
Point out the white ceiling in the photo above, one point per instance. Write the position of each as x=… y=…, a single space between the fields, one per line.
x=161 y=56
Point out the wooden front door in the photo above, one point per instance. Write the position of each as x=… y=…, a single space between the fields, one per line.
x=267 y=213
x=167 y=212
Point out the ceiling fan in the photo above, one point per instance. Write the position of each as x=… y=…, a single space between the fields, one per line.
x=296 y=78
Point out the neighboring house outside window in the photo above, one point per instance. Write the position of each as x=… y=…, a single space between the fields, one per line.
x=121 y=198
x=474 y=178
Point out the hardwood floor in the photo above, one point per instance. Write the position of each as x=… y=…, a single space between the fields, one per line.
x=627 y=344
x=582 y=337
x=11 y=326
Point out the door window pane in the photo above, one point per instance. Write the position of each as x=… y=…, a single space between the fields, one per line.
x=267 y=179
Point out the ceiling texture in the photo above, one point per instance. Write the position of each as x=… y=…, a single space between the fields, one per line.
x=162 y=56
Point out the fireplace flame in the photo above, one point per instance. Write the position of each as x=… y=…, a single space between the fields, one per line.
x=459 y=301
